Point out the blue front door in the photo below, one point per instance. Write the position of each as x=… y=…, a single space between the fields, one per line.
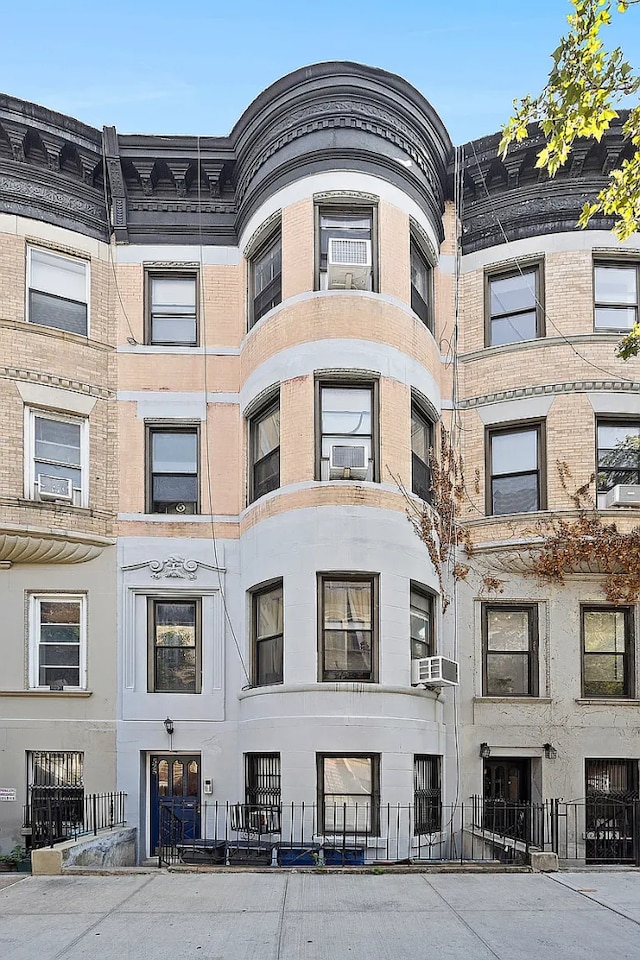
x=174 y=799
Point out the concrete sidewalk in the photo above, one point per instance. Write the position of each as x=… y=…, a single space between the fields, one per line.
x=290 y=916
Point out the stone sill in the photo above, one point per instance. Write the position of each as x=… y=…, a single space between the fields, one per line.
x=58 y=506
x=516 y=700
x=46 y=693
x=608 y=701
x=45 y=331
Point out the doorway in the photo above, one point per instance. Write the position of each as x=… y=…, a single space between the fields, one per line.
x=174 y=799
x=507 y=795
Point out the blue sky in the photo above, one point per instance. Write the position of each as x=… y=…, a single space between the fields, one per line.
x=193 y=68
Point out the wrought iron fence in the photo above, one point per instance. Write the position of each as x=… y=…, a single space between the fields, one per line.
x=299 y=834
x=56 y=814
x=596 y=830
x=591 y=831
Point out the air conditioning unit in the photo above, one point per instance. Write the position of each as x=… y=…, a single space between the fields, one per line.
x=434 y=672
x=348 y=461
x=624 y=495
x=54 y=488
x=348 y=264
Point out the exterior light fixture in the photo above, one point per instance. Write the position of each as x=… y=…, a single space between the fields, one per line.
x=168 y=725
x=550 y=751
x=485 y=750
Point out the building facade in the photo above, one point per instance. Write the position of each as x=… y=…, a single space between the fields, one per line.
x=227 y=362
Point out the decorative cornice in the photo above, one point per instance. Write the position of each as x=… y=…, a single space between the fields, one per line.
x=327 y=116
x=577 y=386
x=511 y=197
x=323 y=117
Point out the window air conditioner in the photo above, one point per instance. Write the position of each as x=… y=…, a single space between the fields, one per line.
x=624 y=495
x=54 y=488
x=348 y=462
x=434 y=672
x=348 y=264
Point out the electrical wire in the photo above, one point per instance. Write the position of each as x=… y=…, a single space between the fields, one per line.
x=539 y=305
x=207 y=446
x=133 y=341
x=455 y=446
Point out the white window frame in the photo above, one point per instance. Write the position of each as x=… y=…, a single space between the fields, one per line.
x=87 y=282
x=30 y=414
x=35 y=624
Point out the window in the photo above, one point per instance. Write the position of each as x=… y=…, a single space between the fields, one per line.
x=262 y=779
x=268 y=631
x=514 y=306
x=616 y=289
x=515 y=468
x=173 y=482
x=607 y=655
x=421 y=445
x=266 y=278
x=346 y=242
x=610 y=820
x=348 y=627
x=56 y=793
x=172 y=315
x=618 y=453
x=175 y=645
x=264 y=454
x=348 y=431
x=58 y=458
x=349 y=793
x=58 y=292
x=58 y=649
x=427 y=799
x=422 y=623
x=611 y=779
x=510 y=640
x=421 y=286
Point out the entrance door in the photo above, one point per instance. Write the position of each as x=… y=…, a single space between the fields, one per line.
x=174 y=799
x=507 y=791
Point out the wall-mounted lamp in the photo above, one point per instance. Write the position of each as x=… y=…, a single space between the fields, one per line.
x=168 y=725
x=550 y=751
x=485 y=750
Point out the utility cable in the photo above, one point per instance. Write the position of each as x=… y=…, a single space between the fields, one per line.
x=207 y=455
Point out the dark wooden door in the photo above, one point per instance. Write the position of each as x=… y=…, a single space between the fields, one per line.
x=174 y=798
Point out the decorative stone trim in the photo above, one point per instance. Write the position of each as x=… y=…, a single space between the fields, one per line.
x=261 y=233
x=44 y=547
x=171 y=264
x=578 y=386
x=48 y=379
x=173 y=568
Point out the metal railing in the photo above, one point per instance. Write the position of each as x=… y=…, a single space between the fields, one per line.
x=299 y=834
x=55 y=814
x=588 y=831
